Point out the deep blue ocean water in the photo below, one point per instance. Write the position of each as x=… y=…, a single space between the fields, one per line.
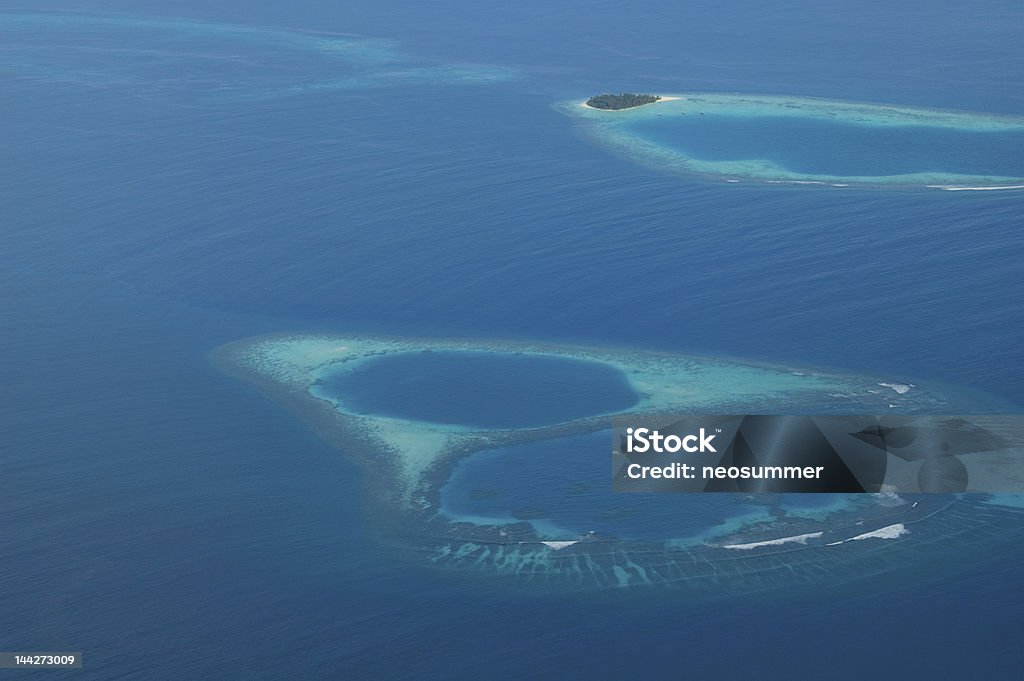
x=168 y=191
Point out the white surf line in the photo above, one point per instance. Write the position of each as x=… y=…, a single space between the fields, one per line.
x=559 y=545
x=797 y=539
x=954 y=188
x=889 y=532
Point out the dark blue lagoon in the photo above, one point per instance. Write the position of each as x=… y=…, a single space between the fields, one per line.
x=480 y=389
x=561 y=487
x=543 y=512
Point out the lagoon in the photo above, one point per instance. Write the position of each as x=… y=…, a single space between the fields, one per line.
x=805 y=140
x=481 y=389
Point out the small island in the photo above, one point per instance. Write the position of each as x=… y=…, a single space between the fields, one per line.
x=623 y=100
x=869 y=144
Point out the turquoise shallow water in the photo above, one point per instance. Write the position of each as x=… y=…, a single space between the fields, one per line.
x=807 y=146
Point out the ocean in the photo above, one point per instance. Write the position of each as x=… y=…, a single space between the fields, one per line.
x=176 y=177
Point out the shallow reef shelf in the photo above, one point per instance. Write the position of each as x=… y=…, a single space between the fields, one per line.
x=186 y=61
x=406 y=462
x=921 y=147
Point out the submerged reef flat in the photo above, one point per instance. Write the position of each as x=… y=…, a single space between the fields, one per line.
x=188 y=61
x=406 y=461
x=801 y=140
